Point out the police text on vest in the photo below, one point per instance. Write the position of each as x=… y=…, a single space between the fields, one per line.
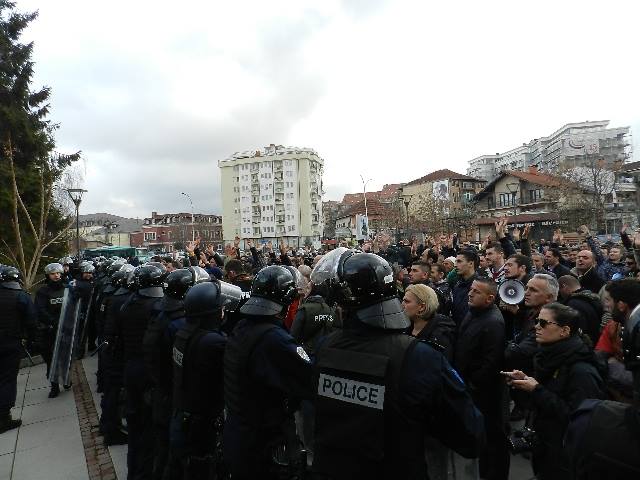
x=366 y=394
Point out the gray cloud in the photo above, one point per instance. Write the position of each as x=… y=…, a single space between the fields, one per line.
x=150 y=149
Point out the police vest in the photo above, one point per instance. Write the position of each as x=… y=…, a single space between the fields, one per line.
x=157 y=354
x=611 y=444
x=363 y=430
x=237 y=387
x=9 y=314
x=54 y=305
x=318 y=320
x=195 y=391
x=134 y=317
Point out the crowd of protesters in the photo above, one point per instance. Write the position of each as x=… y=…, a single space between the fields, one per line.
x=527 y=362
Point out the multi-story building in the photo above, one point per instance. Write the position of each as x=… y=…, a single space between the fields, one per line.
x=273 y=193
x=381 y=218
x=621 y=205
x=170 y=231
x=574 y=144
x=454 y=189
x=104 y=229
x=524 y=198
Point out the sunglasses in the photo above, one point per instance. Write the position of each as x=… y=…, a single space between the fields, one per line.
x=543 y=323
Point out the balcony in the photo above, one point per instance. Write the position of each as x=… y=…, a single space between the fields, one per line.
x=625 y=187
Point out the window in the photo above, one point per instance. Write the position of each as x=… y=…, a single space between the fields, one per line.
x=149 y=236
x=535 y=195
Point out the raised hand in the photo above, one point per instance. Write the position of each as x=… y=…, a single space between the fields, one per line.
x=636 y=240
x=249 y=243
x=236 y=241
x=525 y=233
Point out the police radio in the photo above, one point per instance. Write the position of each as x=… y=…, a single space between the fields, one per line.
x=511 y=291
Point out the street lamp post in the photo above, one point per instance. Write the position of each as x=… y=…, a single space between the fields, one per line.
x=406 y=198
x=76 y=197
x=193 y=222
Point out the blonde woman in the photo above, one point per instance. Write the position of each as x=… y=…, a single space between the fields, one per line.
x=420 y=304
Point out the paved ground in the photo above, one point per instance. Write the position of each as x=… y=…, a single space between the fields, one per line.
x=59 y=438
x=48 y=445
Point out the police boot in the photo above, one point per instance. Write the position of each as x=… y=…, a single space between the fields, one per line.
x=68 y=386
x=116 y=438
x=7 y=423
x=55 y=390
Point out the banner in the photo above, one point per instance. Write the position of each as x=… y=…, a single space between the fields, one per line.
x=362 y=227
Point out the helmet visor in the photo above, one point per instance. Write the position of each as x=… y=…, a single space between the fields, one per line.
x=327 y=267
x=230 y=295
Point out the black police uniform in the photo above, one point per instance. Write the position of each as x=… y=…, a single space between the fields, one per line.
x=49 y=304
x=266 y=374
x=198 y=400
x=17 y=315
x=157 y=348
x=84 y=291
x=134 y=317
x=112 y=359
x=379 y=390
x=314 y=319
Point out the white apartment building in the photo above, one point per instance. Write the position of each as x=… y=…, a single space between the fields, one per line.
x=272 y=193
x=572 y=145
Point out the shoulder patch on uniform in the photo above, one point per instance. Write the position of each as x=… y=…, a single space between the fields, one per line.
x=365 y=394
x=303 y=354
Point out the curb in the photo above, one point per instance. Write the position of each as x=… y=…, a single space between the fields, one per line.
x=99 y=462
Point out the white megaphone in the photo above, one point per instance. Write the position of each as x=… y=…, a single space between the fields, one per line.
x=511 y=291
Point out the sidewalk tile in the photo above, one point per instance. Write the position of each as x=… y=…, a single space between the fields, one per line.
x=60 y=432
x=41 y=395
x=38 y=380
x=8 y=442
x=39 y=413
x=6 y=461
x=54 y=461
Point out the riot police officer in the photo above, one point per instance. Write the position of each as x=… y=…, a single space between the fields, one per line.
x=48 y=304
x=379 y=390
x=157 y=346
x=266 y=374
x=83 y=289
x=133 y=319
x=198 y=356
x=17 y=316
x=112 y=356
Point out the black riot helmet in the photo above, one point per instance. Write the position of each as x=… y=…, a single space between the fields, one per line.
x=10 y=278
x=149 y=280
x=204 y=302
x=631 y=341
x=273 y=289
x=119 y=278
x=177 y=283
x=114 y=266
x=362 y=283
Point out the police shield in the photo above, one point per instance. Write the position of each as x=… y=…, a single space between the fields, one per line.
x=65 y=338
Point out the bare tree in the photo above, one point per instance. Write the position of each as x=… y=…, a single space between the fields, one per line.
x=30 y=223
x=582 y=197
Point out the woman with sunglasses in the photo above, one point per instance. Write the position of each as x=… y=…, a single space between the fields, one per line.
x=566 y=373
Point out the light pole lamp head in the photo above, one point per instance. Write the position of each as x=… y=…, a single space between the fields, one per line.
x=76 y=195
x=406 y=198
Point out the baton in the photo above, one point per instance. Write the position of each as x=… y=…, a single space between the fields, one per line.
x=24 y=347
x=100 y=347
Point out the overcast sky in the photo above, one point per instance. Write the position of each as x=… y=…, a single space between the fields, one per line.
x=154 y=93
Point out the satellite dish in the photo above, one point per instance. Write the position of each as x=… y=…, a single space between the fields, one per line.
x=511 y=292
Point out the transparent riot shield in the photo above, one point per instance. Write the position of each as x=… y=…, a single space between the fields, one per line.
x=84 y=317
x=65 y=339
